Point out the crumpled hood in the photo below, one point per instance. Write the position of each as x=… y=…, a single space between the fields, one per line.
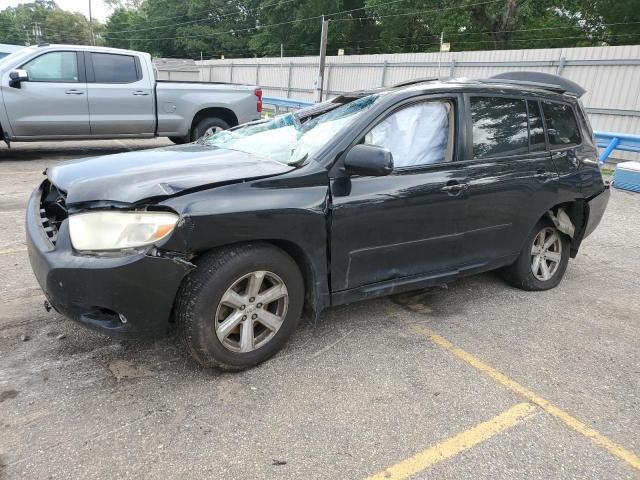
x=133 y=176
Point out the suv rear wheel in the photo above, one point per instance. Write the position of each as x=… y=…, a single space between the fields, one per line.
x=240 y=305
x=542 y=261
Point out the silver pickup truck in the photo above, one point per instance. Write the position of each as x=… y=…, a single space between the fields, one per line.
x=62 y=92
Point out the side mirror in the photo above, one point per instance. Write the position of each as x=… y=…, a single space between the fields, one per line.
x=368 y=160
x=17 y=76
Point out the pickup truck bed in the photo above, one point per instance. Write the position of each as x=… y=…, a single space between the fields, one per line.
x=62 y=92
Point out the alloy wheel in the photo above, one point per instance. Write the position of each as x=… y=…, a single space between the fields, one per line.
x=212 y=131
x=251 y=311
x=546 y=254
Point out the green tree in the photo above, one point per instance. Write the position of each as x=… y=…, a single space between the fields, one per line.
x=44 y=21
x=61 y=26
x=118 y=28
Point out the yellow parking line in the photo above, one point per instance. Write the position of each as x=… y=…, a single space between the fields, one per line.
x=617 y=450
x=9 y=251
x=454 y=445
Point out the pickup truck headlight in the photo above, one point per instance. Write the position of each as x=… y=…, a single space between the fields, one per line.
x=109 y=230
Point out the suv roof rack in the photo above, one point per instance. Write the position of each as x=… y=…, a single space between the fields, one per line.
x=414 y=82
x=545 y=81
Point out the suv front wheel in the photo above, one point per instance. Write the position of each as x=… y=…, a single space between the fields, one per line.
x=543 y=260
x=240 y=305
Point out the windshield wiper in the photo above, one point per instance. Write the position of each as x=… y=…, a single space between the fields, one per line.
x=300 y=162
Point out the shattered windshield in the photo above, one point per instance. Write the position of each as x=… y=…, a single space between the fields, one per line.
x=285 y=139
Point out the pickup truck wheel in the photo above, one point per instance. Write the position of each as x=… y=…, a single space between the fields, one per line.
x=179 y=140
x=240 y=305
x=208 y=126
x=542 y=261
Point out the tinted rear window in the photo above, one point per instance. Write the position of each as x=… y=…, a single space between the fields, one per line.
x=110 y=68
x=562 y=127
x=500 y=127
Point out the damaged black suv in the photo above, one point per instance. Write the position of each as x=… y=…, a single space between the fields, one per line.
x=236 y=236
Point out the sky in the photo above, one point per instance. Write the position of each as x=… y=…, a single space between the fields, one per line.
x=98 y=8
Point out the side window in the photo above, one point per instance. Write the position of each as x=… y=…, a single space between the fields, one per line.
x=421 y=134
x=562 y=126
x=53 y=67
x=110 y=68
x=500 y=127
x=536 y=130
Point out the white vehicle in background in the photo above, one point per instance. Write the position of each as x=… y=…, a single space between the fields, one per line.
x=7 y=49
x=71 y=92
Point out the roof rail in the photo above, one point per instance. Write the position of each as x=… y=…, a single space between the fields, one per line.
x=414 y=82
x=546 y=81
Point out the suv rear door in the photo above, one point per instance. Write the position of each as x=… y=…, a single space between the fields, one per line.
x=512 y=179
x=121 y=100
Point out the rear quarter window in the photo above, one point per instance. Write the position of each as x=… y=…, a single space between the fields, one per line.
x=562 y=126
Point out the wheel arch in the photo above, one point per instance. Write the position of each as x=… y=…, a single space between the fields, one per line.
x=222 y=113
x=578 y=212
x=315 y=295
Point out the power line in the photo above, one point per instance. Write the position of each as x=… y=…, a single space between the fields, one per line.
x=255 y=10
x=209 y=18
x=315 y=17
x=419 y=12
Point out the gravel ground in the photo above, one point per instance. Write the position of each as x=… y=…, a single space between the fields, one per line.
x=359 y=392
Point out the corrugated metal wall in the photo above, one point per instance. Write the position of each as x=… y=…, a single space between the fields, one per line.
x=178 y=75
x=611 y=75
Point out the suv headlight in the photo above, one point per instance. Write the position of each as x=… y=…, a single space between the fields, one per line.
x=110 y=230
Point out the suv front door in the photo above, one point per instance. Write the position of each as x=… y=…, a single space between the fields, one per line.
x=406 y=224
x=54 y=99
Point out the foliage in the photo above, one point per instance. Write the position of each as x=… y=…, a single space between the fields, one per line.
x=43 y=21
x=238 y=28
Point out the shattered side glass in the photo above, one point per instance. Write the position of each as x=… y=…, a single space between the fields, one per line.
x=286 y=140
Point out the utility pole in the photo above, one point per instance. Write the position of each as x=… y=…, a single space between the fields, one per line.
x=93 y=40
x=281 y=66
x=35 y=30
x=323 y=54
x=440 y=54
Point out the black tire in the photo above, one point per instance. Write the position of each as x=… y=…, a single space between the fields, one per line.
x=520 y=273
x=205 y=124
x=179 y=140
x=201 y=292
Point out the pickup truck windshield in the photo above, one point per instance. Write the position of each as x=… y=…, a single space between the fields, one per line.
x=286 y=140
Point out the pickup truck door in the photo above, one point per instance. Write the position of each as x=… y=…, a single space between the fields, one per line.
x=54 y=99
x=406 y=224
x=121 y=99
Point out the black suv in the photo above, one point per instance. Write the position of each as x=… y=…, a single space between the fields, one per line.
x=235 y=236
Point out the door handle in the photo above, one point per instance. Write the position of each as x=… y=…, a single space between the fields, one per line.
x=140 y=93
x=454 y=187
x=73 y=91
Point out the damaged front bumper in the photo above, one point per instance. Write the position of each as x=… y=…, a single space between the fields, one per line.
x=126 y=295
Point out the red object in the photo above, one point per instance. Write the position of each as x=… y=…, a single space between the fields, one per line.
x=258 y=93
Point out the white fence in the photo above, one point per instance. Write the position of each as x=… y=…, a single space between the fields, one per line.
x=178 y=75
x=611 y=75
